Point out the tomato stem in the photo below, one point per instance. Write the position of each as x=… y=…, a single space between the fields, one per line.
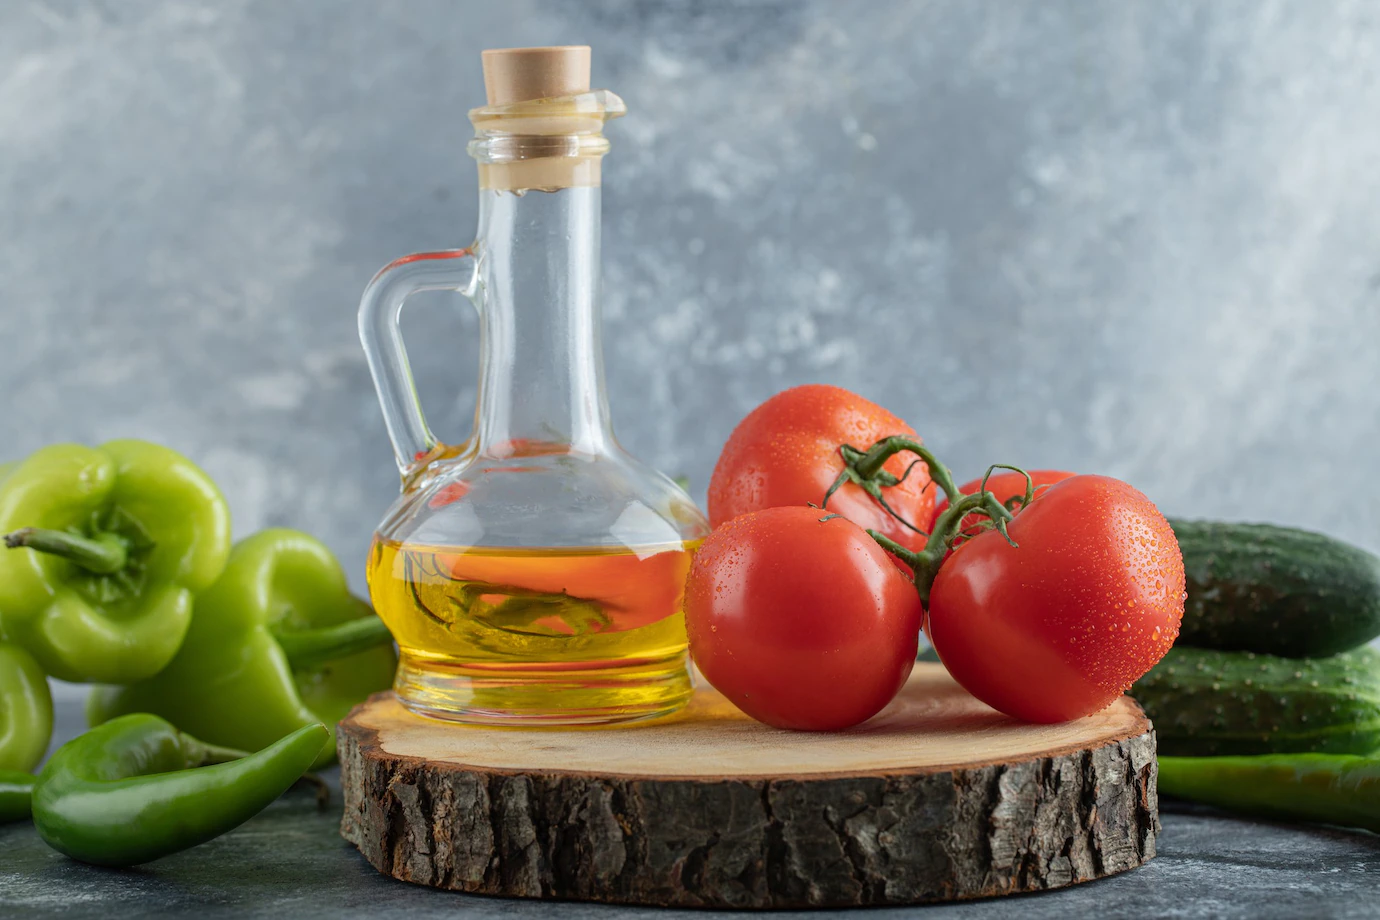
x=925 y=564
x=865 y=468
x=1015 y=502
x=868 y=465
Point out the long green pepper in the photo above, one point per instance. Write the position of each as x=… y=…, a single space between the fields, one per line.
x=1342 y=789
x=135 y=789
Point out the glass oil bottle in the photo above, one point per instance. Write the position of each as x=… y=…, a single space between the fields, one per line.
x=534 y=573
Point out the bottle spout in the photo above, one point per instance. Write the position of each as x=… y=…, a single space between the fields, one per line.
x=542 y=92
x=542 y=128
x=579 y=115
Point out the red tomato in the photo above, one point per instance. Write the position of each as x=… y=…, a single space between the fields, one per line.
x=1060 y=626
x=1003 y=485
x=801 y=623
x=786 y=452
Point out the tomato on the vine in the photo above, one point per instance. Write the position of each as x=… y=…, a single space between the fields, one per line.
x=787 y=452
x=1060 y=625
x=800 y=619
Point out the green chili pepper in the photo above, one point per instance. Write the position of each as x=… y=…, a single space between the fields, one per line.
x=1341 y=789
x=26 y=709
x=107 y=547
x=16 y=795
x=276 y=643
x=125 y=793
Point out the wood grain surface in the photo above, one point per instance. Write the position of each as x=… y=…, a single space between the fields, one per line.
x=937 y=798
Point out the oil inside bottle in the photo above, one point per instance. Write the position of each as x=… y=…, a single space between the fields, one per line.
x=551 y=636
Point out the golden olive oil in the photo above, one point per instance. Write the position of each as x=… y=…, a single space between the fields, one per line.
x=553 y=636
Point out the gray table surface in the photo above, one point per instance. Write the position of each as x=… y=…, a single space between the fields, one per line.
x=291 y=862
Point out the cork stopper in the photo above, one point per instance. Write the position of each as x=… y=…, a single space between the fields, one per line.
x=513 y=75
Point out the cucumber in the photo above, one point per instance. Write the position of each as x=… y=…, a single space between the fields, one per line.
x=1276 y=590
x=1205 y=702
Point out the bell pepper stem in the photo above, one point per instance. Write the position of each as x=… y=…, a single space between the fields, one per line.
x=101 y=554
x=211 y=753
x=307 y=648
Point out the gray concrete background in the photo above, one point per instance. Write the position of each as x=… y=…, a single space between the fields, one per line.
x=1132 y=238
x=1137 y=238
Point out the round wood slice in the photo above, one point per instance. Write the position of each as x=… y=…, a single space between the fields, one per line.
x=937 y=798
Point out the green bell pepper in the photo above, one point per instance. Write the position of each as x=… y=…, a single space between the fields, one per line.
x=276 y=643
x=136 y=789
x=107 y=548
x=26 y=709
x=16 y=795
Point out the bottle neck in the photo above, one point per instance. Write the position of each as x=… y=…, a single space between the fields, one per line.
x=542 y=380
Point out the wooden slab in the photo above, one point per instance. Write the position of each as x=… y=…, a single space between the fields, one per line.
x=937 y=798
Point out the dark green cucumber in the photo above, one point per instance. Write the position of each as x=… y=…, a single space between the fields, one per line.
x=1205 y=702
x=1276 y=590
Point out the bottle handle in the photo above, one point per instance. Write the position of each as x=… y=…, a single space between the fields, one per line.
x=380 y=309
